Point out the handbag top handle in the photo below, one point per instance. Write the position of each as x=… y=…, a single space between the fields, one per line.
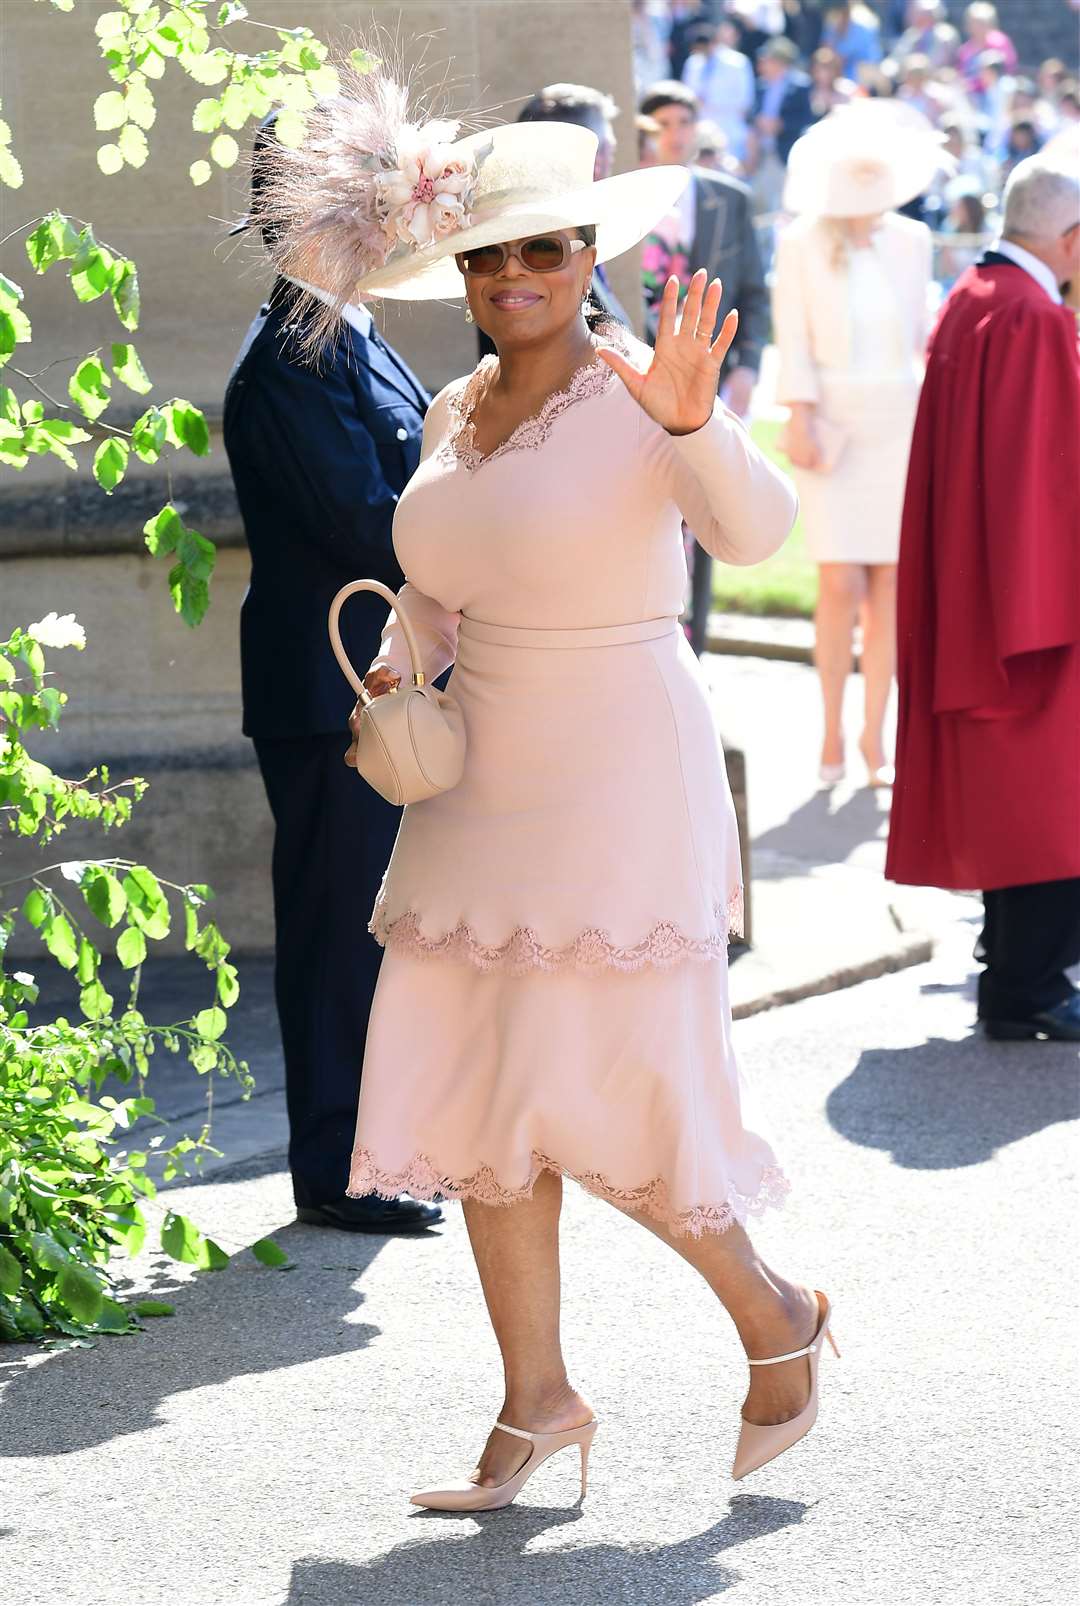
x=402 y=618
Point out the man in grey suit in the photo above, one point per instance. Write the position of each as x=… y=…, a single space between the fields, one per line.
x=717 y=232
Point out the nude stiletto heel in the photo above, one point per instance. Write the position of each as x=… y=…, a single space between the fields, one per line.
x=468 y=1496
x=762 y=1442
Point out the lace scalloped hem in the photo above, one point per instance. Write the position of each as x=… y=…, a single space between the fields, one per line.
x=422 y=1179
x=591 y=950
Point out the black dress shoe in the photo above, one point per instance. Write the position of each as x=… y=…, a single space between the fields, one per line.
x=1061 y=1024
x=372 y=1214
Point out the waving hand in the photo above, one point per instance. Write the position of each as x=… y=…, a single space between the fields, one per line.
x=679 y=388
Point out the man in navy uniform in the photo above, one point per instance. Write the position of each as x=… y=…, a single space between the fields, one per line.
x=319 y=459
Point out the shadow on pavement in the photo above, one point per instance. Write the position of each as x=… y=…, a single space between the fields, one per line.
x=817 y=832
x=943 y=1104
x=244 y=1320
x=494 y=1563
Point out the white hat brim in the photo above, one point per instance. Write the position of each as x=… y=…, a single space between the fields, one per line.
x=622 y=209
x=862 y=160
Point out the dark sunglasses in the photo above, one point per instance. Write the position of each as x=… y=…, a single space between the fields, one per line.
x=542 y=253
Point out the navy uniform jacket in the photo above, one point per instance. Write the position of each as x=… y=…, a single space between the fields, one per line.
x=319 y=460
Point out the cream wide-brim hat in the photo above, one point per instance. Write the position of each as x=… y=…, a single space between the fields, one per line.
x=534 y=177
x=862 y=160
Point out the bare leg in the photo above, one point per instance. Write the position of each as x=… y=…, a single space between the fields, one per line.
x=516 y=1249
x=772 y=1316
x=841 y=587
x=878 y=657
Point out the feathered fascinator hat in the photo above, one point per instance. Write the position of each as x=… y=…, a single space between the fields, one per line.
x=376 y=202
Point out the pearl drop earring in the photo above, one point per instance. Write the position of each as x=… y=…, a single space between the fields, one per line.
x=468 y=315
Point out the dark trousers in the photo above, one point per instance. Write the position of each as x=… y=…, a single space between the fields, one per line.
x=700 y=597
x=332 y=842
x=1030 y=938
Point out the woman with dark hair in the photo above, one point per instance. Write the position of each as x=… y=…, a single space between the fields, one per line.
x=553 y=996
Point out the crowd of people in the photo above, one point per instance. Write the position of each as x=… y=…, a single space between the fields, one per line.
x=763 y=71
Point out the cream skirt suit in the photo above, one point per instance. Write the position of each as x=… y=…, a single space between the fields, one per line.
x=851 y=327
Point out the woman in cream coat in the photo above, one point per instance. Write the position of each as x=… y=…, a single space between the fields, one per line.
x=850 y=306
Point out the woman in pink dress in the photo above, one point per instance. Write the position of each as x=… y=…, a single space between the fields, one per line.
x=553 y=996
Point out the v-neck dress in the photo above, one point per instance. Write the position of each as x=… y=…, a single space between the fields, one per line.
x=553 y=994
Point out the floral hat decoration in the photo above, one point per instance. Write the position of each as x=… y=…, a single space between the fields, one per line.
x=377 y=201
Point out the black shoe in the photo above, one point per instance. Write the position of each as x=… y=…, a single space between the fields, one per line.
x=372 y=1214
x=1061 y=1024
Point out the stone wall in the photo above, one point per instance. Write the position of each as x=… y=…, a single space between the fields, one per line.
x=148 y=695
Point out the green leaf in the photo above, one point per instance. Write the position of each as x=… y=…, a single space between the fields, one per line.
x=104 y=895
x=154 y=1307
x=110 y=159
x=11 y=172
x=148 y=906
x=10 y=1272
x=92 y=269
x=148 y=436
x=224 y=150
x=110 y=463
x=95 y=1002
x=268 y=1253
x=200 y=173
x=211 y=1023
x=197 y=554
x=191 y=596
x=10 y=293
x=186 y=426
x=131 y=948
x=112 y=1318
x=61 y=430
x=290 y=129
x=231 y=11
x=206 y=118
x=87 y=964
x=46 y=1253
x=163 y=531
x=125 y=294
x=60 y=941
x=7 y=336
x=89 y=387
x=139 y=101
x=228 y=987
x=128 y=368
x=109 y=111
x=9 y=407
x=133 y=145
x=181 y=1239
x=36 y=906
x=210 y=68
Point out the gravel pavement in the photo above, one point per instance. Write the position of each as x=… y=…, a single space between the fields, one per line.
x=260 y=1446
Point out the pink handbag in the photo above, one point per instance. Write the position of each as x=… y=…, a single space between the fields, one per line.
x=411 y=743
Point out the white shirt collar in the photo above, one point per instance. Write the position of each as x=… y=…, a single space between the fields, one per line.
x=359 y=318
x=1030 y=264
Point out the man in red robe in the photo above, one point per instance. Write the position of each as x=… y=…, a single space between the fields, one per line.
x=987 y=789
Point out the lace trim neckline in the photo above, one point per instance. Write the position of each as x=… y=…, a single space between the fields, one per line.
x=592 y=378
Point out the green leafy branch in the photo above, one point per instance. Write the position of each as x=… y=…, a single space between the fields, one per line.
x=69 y=1195
x=94 y=270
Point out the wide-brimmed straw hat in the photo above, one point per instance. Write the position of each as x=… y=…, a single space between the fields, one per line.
x=861 y=160
x=377 y=202
x=532 y=177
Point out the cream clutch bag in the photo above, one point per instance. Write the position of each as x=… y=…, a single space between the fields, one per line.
x=411 y=743
x=832 y=440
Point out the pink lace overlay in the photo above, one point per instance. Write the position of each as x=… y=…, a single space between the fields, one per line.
x=591 y=950
x=592 y=379
x=423 y=1179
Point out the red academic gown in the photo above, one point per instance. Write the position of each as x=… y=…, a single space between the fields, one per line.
x=987 y=788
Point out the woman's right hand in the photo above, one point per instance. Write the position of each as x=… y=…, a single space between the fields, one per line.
x=802 y=444
x=377 y=682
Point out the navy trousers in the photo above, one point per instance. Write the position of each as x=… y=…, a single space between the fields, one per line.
x=332 y=841
x=1030 y=938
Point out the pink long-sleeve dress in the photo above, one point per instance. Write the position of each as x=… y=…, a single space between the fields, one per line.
x=553 y=994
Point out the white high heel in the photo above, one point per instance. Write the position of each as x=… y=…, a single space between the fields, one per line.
x=467 y=1496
